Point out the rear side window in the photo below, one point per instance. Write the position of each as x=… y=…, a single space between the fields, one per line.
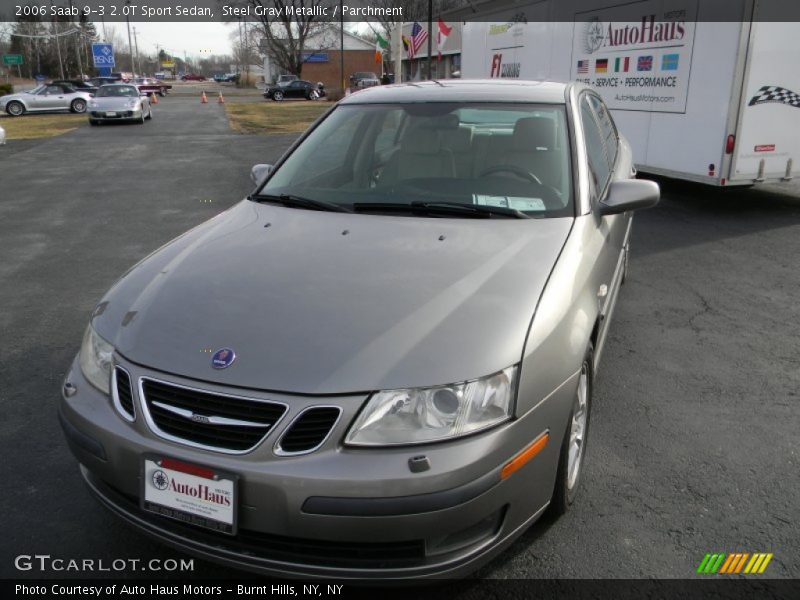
x=599 y=169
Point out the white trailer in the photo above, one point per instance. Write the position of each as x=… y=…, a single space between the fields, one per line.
x=698 y=98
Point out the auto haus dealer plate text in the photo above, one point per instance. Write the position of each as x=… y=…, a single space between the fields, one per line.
x=190 y=493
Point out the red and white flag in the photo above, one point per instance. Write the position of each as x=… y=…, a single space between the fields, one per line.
x=441 y=38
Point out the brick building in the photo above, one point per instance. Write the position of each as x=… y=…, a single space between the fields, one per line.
x=321 y=59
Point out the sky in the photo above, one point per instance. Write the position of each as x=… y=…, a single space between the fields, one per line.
x=196 y=39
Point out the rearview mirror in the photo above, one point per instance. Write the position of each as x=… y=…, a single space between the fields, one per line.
x=259 y=173
x=629 y=194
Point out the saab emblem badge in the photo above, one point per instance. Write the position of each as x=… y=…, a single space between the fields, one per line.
x=223 y=358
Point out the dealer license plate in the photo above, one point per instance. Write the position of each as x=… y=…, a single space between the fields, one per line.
x=111 y=114
x=189 y=493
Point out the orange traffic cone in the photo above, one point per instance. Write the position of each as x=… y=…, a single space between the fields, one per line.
x=153 y=98
x=221 y=99
x=203 y=99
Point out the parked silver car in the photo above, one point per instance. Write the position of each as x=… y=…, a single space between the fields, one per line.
x=379 y=364
x=119 y=102
x=45 y=98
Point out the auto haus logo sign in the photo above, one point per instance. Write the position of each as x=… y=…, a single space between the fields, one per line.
x=638 y=55
x=190 y=494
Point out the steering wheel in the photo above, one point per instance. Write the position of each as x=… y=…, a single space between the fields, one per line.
x=519 y=171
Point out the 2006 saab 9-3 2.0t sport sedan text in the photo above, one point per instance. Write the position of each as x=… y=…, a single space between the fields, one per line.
x=380 y=363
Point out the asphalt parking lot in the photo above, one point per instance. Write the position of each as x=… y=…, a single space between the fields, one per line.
x=693 y=445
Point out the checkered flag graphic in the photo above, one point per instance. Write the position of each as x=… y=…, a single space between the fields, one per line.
x=773 y=93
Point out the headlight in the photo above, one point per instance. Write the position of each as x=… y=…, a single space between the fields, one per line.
x=415 y=416
x=95 y=360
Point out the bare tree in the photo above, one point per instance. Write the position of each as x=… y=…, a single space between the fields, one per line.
x=284 y=36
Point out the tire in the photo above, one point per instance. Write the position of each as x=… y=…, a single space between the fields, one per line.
x=313 y=95
x=162 y=92
x=141 y=119
x=277 y=96
x=568 y=478
x=15 y=109
x=150 y=114
x=78 y=106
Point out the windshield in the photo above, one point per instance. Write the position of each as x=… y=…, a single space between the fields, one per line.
x=118 y=91
x=512 y=156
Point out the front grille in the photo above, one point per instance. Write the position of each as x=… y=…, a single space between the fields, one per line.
x=257 y=545
x=207 y=419
x=309 y=430
x=124 y=394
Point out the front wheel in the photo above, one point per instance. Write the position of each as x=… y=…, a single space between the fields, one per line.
x=313 y=95
x=573 y=446
x=15 y=109
x=78 y=106
x=277 y=96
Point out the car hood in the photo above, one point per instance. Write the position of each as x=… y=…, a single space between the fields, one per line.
x=327 y=303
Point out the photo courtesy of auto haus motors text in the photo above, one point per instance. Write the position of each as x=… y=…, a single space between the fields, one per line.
x=178 y=590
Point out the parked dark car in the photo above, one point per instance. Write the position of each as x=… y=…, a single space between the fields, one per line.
x=226 y=77
x=193 y=77
x=78 y=85
x=98 y=81
x=295 y=89
x=149 y=85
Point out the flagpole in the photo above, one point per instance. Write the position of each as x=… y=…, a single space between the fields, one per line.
x=430 y=39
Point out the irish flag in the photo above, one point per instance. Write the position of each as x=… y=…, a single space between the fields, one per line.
x=380 y=46
x=444 y=31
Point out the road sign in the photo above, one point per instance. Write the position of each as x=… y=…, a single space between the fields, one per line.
x=12 y=59
x=103 y=55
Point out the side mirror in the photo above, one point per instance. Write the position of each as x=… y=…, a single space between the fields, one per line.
x=629 y=194
x=259 y=173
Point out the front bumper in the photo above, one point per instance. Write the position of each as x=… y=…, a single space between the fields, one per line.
x=337 y=512
x=122 y=115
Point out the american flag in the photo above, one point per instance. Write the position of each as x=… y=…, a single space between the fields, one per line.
x=418 y=37
x=583 y=66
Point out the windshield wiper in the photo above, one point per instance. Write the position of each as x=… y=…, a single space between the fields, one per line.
x=294 y=201
x=473 y=211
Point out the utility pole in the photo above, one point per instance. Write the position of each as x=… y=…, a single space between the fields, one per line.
x=78 y=45
x=130 y=44
x=341 y=44
x=58 y=45
x=136 y=42
x=397 y=40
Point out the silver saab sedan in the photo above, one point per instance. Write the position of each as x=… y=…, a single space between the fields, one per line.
x=380 y=364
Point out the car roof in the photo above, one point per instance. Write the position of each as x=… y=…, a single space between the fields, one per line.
x=463 y=90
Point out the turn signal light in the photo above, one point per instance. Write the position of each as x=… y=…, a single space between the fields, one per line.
x=521 y=459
